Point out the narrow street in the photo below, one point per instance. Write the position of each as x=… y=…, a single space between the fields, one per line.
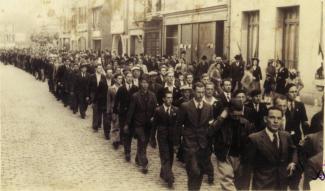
x=44 y=146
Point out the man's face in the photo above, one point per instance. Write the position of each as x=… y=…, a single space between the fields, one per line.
x=109 y=74
x=99 y=69
x=199 y=93
x=144 y=85
x=257 y=98
x=187 y=94
x=227 y=86
x=119 y=80
x=205 y=80
x=163 y=71
x=274 y=120
x=282 y=104
x=136 y=73
x=128 y=78
x=241 y=97
x=170 y=78
x=292 y=93
x=209 y=90
x=168 y=99
x=189 y=79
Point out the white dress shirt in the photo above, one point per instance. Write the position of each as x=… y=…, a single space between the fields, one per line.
x=198 y=105
x=271 y=136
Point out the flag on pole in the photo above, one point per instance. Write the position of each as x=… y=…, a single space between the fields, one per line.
x=320 y=51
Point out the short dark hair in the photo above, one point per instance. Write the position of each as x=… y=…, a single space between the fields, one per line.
x=167 y=92
x=226 y=80
x=282 y=97
x=274 y=108
x=198 y=85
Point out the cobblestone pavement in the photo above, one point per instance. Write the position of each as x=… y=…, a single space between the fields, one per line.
x=44 y=146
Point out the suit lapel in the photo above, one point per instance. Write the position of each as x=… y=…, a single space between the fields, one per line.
x=193 y=113
x=204 y=113
x=268 y=146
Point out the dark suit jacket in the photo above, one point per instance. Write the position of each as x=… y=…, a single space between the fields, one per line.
x=123 y=99
x=176 y=95
x=82 y=85
x=296 y=119
x=237 y=72
x=159 y=80
x=142 y=108
x=195 y=131
x=220 y=105
x=281 y=81
x=165 y=124
x=313 y=144
x=257 y=117
x=98 y=93
x=269 y=164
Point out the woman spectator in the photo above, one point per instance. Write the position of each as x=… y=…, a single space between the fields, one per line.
x=257 y=74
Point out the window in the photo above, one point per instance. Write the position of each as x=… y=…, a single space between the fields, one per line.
x=290 y=23
x=252 y=34
x=152 y=43
x=171 y=40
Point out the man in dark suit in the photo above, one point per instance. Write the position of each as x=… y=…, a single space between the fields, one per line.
x=223 y=97
x=271 y=155
x=296 y=116
x=170 y=86
x=237 y=72
x=98 y=95
x=161 y=78
x=121 y=107
x=82 y=90
x=142 y=107
x=258 y=110
x=164 y=122
x=281 y=77
x=195 y=116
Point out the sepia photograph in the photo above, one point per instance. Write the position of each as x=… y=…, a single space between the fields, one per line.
x=159 y=95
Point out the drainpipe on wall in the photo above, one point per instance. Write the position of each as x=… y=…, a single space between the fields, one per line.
x=229 y=27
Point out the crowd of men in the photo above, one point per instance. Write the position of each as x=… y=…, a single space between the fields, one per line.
x=193 y=110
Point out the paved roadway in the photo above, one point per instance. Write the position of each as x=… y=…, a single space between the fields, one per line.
x=46 y=147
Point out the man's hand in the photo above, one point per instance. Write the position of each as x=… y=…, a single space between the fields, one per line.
x=224 y=114
x=126 y=128
x=291 y=167
x=176 y=148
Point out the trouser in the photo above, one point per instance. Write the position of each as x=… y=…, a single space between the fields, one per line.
x=236 y=85
x=166 y=154
x=294 y=180
x=107 y=120
x=97 y=116
x=66 y=97
x=128 y=136
x=115 y=130
x=195 y=166
x=122 y=122
x=82 y=104
x=143 y=136
x=230 y=173
x=73 y=102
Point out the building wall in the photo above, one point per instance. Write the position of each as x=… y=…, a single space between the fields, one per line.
x=309 y=33
x=105 y=26
x=198 y=23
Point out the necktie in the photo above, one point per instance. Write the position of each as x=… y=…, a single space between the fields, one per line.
x=275 y=140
